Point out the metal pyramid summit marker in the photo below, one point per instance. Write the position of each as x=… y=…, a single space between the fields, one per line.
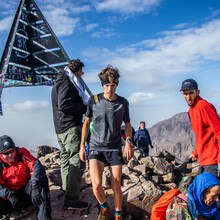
x=33 y=55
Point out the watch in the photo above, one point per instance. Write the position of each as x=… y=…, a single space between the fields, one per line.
x=129 y=140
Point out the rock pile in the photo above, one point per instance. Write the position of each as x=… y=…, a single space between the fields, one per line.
x=144 y=180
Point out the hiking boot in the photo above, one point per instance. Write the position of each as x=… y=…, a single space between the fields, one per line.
x=103 y=215
x=80 y=205
x=118 y=217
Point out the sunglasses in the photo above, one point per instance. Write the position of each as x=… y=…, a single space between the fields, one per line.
x=8 y=152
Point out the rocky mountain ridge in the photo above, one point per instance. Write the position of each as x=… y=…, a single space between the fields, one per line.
x=174 y=135
x=144 y=180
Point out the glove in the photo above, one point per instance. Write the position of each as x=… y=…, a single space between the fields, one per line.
x=16 y=204
x=36 y=197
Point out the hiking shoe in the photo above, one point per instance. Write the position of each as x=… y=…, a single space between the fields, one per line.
x=118 y=217
x=103 y=215
x=80 y=205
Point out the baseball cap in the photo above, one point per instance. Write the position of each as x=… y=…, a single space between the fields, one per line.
x=189 y=84
x=6 y=143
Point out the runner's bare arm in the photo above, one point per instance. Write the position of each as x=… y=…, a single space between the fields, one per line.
x=85 y=132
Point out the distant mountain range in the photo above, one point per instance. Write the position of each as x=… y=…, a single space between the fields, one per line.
x=174 y=135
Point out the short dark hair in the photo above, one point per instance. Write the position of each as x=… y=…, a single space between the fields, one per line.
x=75 y=65
x=142 y=122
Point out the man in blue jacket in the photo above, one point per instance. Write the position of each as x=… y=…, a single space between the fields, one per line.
x=142 y=138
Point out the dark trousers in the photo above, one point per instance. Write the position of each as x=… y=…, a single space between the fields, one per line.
x=24 y=195
x=145 y=149
x=208 y=169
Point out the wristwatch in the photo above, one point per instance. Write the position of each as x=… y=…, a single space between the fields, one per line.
x=129 y=140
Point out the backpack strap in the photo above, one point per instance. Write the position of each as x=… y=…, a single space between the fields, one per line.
x=96 y=98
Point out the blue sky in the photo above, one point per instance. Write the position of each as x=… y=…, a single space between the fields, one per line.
x=156 y=44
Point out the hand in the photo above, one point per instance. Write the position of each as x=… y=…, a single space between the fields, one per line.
x=82 y=153
x=193 y=157
x=36 y=197
x=128 y=152
x=15 y=202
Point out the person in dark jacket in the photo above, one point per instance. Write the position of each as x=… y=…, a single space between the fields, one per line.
x=142 y=138
x=18 y=187
x=69 y=104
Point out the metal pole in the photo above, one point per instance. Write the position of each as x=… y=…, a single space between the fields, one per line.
x=86 y=87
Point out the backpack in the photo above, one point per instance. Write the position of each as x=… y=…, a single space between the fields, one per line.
x=160 y=207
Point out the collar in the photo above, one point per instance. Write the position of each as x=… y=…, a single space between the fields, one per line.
x=197 y=99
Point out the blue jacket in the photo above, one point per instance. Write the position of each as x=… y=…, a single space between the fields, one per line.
x=142 y=138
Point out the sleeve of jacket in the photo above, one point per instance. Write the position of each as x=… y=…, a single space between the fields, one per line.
x=39 y=174
x=135 y=139
x=5 y=192
x=67 y=95
x=148 y=135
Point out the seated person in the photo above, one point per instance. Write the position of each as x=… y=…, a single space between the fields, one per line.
x=197 y=200
x=23 y=181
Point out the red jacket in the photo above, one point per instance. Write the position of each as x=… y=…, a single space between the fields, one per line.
x=16 y=174
x=206 y=125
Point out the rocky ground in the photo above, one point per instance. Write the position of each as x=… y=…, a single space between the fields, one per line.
x=144 y=180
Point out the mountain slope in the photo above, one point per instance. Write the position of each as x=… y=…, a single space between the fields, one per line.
x=174 y=135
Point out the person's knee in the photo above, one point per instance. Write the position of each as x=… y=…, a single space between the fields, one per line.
x=97 y=185
x=116 y=186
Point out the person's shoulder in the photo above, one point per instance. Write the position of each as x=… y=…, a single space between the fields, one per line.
x=204 y=104
x=61 y=78
x=122 y=99
x=23 y=150
x=95 y=98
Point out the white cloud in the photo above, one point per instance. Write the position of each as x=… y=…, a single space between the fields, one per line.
x=140 y=97
x=92 y=76
x=126 y=6
x=104 y=32
x=8 y=5
x=61 y=21
x=28 y=106
x=5 y=23
x=149 y=63
x=80 y=9
x=90 y=27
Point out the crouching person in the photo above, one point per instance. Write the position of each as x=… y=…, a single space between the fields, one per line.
x=198 y=201
x=23 y=181
x=192 y=200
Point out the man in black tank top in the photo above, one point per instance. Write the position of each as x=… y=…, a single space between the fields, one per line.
x=107 y=111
